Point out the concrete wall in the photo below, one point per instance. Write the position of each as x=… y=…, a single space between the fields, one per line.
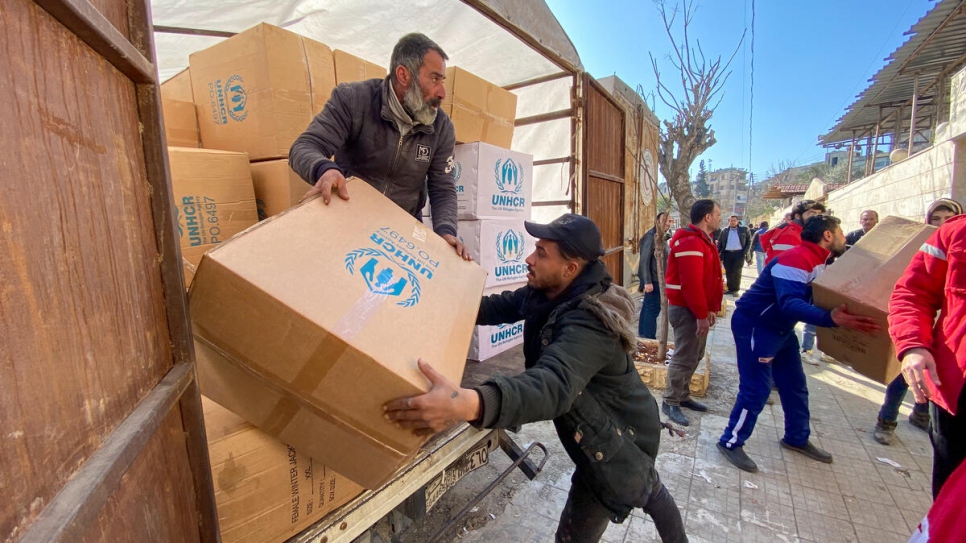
x=904 y=189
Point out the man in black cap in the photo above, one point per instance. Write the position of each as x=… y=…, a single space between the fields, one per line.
x=579 y=373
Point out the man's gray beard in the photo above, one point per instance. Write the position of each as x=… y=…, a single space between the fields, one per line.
x=413 y=103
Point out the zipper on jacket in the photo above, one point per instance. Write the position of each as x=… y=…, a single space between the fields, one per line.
x=392 y=166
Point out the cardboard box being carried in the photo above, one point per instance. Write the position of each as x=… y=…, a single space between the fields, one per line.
x=309 y=322
x=213 y=199
x=492 y=182
x=266 y=491
x=180 y=123
x=349 y=68
x=489 y=341
x=277 y=187
x=178 y=87
x=863 y=278
x=480 y=110
x=501 y=247
x=258 y=90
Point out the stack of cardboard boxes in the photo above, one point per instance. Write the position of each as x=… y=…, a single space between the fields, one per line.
x=493 y=187
x=250 y=95
x=298 y=334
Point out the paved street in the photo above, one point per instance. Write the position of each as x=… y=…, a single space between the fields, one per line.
x=858 y=498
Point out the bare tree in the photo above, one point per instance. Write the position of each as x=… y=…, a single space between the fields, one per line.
x=688 y=133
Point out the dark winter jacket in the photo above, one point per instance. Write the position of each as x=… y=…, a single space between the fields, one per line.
x=356 y=126
x=579 y=372
x=743 y=238
x=647 y=267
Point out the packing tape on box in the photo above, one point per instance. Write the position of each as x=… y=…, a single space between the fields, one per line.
x=286 y=408
x=354 y=320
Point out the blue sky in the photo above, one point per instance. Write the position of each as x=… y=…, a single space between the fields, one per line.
x=811 y=59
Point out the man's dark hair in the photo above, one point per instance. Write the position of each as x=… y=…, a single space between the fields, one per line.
x=409 y=53
x=700 y=209
x=815 y=227
x=764 y=224
x=659 y=215
x=806 y=205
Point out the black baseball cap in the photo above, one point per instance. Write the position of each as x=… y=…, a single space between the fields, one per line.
x=575 y=234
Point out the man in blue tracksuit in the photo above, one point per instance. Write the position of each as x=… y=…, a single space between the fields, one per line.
x=764 y=329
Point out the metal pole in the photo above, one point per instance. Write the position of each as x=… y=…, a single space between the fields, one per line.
x=875 y=145
x=897 y=133
x=912 y=118
x=868 y=153
x=848 y=173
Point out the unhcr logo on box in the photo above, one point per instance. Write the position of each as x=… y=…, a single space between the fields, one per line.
x=509 y=181
x=383 y=276
x=510 y=250
x=228 y=100
x=505 y=333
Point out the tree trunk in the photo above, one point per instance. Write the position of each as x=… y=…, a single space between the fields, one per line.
x=662 y=322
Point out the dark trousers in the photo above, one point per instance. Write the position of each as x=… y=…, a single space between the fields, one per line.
x=650 y=309
x=948 y=436
x=584 y=518
x=732 y=261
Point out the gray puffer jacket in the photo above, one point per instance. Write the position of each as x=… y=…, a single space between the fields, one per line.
x=356 y=126
x=580 y=373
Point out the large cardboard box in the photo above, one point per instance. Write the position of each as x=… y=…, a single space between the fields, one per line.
x=349 y=68
x=180 y=123
x=501 y=247
x=489 y=341
x=863 y=278
x=309 y=322
x=258 y=90
x=480 y=110
x=492 y=182
x=266 y=491
x=178 y=87
x=277 y=187
x=213 y=199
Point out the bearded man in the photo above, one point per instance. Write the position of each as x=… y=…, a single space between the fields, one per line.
x=390 y=133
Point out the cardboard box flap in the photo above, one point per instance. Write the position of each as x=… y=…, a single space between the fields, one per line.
x=868 y=271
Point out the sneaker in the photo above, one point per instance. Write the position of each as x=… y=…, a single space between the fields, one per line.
x=885 y=431
x=919 y=419
x=738 y=457
x=810 y=451
x=674 y=413
x=694 y=405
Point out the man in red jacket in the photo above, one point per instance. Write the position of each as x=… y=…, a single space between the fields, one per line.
x=788 y=235
x=933 y=351
x=694 y=291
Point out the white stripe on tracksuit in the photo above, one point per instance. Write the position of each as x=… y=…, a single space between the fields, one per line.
x=737 y=428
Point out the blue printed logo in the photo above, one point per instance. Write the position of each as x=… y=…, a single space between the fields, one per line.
x=505 y=333
x=457 y=171
x=237 y=98
x=509 y=181
x=177 y=221
x=509 y=176
x=510 y=250
x=383 y=276
x=509 y=246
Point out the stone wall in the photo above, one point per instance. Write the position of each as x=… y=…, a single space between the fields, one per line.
x=904 y=189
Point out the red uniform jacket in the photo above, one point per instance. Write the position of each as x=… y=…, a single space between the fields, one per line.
x=935 y=281
x=781 y=238
x=694 y=272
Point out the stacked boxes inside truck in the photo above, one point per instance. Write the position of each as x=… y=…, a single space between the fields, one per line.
x=213 y=197
x=480 y=110
x=258 y=90
x=307 y=323
x=493 y=187
x=266 y=491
